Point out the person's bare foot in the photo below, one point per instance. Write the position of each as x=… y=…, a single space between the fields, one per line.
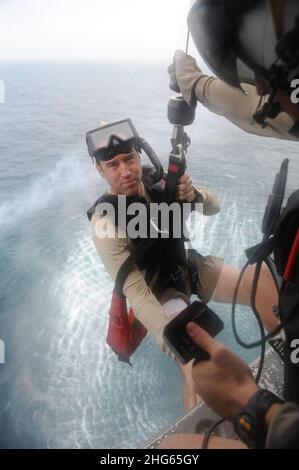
x=190 y=397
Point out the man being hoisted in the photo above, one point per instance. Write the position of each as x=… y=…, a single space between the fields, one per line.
x=156 y=277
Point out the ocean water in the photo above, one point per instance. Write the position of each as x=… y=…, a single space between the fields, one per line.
x=60 y=386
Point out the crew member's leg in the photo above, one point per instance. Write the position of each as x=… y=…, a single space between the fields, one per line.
x=190 y=397
x=266 y=295
x=195 y=441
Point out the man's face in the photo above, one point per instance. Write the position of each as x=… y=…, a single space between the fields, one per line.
x=123 y=173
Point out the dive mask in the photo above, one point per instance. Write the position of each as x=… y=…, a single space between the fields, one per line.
x=107 y=141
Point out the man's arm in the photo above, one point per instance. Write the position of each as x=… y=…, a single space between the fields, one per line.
x=113 y=252
x=209 y=200
x=187 y=191
x=224 y=100
x=239 y=108
x=226 y=384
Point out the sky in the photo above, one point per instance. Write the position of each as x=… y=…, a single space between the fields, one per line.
x=110 y=30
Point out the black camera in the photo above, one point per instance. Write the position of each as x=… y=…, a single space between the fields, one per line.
x=179 y=341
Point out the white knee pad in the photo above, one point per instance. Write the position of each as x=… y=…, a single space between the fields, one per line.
x=173 y=307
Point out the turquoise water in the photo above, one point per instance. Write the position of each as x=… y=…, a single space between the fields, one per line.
x=61 y=386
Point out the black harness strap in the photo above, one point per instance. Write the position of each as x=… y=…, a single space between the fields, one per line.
x=175 y=170
x=130 y=262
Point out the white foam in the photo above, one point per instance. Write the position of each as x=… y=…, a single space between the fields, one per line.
x=66 y=176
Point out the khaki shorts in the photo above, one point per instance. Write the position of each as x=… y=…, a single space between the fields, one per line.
x=208 y=268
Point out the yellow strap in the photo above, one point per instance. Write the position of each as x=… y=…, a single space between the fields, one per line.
x=277 y=11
